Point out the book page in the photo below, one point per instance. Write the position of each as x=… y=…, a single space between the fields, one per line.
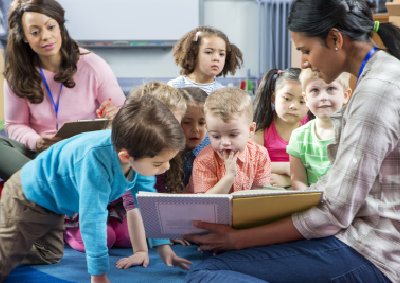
x=179 y=218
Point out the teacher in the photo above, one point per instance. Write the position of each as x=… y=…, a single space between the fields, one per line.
x=49 y=80
x=354 y=234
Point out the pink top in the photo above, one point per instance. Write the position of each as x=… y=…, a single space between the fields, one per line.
x=275 y=144
x=94 y=83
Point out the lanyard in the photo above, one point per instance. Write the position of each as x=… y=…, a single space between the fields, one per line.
x=366 y=58
x=51 y=95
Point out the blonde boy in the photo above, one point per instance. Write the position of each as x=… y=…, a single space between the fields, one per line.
x=307 y=145
x=231 y=162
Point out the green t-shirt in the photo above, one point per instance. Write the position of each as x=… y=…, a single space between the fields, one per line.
x=305 y=144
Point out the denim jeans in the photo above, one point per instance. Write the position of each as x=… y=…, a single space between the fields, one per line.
x=317 y=260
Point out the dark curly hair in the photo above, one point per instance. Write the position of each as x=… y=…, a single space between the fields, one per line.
x=21 y=61
x=187 y=49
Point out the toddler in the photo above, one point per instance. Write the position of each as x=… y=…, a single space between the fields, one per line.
x=231 y=162
x=203 y=54
x=279 y=107
x=307 y=146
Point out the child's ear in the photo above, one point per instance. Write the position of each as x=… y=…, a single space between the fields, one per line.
x=123 y=155
x=347 y=95
x=252 y=129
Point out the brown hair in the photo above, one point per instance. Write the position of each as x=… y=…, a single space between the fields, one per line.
x=227 y=102
x=195 y=95
x=145 y=127
x=187 y=49
x=20 y=72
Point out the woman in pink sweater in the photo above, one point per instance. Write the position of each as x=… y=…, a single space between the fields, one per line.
x=49 y=80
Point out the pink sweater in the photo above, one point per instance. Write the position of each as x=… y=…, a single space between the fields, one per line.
x=94 y=83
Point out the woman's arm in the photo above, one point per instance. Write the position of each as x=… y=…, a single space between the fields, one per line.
x=223 y=237
x=299 y=174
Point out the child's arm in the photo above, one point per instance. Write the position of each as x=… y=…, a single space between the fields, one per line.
x=281 y=168
x=280 y=174
x=138 y=240
x=223 y=186
x=298 y=174
x=169 y=257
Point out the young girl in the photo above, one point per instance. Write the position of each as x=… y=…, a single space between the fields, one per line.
x=194 y=128
x=203 y=54
x=308 y=144
x=279 y=107
x=92 y=169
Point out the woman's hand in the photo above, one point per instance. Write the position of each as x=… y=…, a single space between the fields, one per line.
x=45 y=141
x=221 y=237
x=138 y=258
x=107 y=110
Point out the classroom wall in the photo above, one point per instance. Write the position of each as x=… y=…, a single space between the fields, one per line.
x=236 y=18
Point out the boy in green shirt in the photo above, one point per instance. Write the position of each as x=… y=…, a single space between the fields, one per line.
x=307 y=145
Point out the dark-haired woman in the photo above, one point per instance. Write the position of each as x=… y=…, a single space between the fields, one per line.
x=354 y=234
x=49 y=80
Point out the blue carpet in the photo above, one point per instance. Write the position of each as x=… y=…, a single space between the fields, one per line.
x=73 y=268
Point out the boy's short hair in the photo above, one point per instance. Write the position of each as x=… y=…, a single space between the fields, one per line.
x=307 y=74
x=170 y=96
x=145 y=127
x=227 y=102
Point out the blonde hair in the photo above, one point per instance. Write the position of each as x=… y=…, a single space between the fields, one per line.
x=174 y=99
x=307 y=74
x=227 y=102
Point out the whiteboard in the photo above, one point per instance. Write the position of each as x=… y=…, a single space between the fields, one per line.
x=130 y=19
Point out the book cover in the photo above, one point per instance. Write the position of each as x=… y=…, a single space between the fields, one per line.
x=171 y=215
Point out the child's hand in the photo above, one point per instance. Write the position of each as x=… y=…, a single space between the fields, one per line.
x=169 y=257
x=180 y=242
x=230 y=163
x=280 y=181
x=138 y=258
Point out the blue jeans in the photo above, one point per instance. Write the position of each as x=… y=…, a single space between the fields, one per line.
x=317 y=260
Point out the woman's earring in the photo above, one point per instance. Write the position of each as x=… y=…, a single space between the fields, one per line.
x=336 y=48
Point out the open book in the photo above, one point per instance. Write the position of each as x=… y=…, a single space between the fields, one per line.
x=171 y=215
x=70 y=129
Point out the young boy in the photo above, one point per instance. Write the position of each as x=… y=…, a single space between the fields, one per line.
x=307 y=145
x=194 y=128
x=83 y=174
x=231 y=162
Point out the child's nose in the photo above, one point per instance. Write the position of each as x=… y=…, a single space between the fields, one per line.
x=225 y=141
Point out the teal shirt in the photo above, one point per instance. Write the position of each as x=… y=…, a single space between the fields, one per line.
x=82 y=174
x=305 y=144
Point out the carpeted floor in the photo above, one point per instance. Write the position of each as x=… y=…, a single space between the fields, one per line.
x=73 y=268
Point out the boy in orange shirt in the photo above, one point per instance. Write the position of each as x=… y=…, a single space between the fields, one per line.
x=232 y=162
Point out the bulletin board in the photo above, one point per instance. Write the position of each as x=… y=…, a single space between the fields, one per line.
x=132 y=20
